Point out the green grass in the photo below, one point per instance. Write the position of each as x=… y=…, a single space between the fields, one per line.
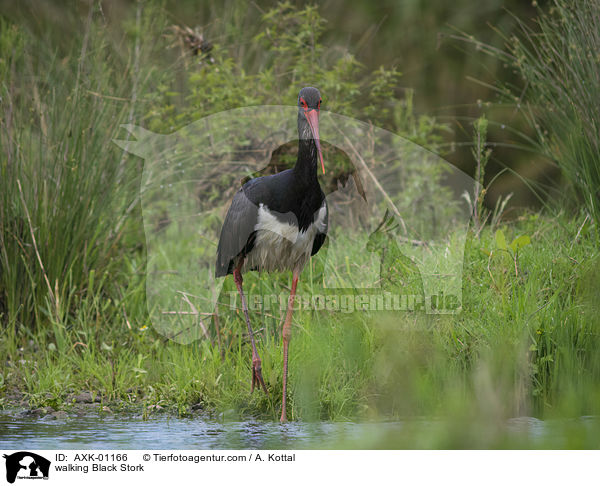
x=525 y=344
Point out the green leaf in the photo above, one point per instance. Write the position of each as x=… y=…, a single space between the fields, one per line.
x=500 y=240
x=520 y=242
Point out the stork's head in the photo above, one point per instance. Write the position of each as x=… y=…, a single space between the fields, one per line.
x=309 y=104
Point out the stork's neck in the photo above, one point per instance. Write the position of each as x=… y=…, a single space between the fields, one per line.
x=308 y=156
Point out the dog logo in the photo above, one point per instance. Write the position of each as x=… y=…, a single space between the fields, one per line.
x=26 y=465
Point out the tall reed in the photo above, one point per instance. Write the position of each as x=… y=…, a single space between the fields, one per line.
x=65 y=189
x=559 y=63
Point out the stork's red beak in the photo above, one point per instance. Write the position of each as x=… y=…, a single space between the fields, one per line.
x=313 y=122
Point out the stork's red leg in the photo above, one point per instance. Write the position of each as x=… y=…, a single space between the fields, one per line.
x=256 y=363
x=287 y=334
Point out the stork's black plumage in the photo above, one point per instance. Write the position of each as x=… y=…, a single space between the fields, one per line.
x=277 y=222
x=294 y=197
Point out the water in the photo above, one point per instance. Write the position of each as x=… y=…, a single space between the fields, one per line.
x=118 y=432
x=94 y=432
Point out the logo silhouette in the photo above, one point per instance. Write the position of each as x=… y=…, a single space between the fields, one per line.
x=190 y=176
x=26 y=460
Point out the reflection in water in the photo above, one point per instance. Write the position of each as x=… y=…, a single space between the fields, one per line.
x=94 y=432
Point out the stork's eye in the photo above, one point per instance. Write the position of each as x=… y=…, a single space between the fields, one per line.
x=319 y=104
x=303 y=103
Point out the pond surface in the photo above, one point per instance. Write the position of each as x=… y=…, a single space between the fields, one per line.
x=118 y=432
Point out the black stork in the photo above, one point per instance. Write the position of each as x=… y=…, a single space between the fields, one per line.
x=276 y=223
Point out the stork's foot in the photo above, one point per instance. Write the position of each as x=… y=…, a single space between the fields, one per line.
x=257 y=378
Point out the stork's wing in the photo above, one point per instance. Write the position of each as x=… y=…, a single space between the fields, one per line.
x=322 y=234
x=237 y=233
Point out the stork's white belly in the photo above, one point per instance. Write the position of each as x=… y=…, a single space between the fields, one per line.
x=280 y=245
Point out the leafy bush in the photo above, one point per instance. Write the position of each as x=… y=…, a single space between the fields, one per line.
x=292 y=56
